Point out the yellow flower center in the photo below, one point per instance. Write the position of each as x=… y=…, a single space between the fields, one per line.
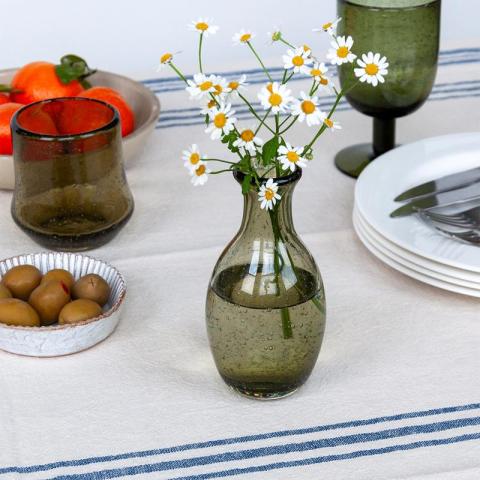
x=218 y=89
x=247 y=135
x=220 y=120
x=292 y=156
x=298 y=61
x=328 y=123
x=306 y=48
x=308 y=107
x=194 y=158
x=315 y=72
x=327 y=25
x=200 y=170
x=275 y=99
x=371 y=69
x=270 y=88
x=269 y=194
x=205 y=86
x=245 y=37
x=202 y=26
x=166 y=57
x=324 y=80
x=342 y=52
x=233 y=85
x=211 y=103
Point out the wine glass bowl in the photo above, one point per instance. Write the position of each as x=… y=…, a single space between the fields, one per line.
x=406 y=32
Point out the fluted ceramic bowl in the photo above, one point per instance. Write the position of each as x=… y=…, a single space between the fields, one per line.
x=144 y=103
x=56 y=340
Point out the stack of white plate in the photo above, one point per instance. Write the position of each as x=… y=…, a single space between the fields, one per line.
x=407 y=244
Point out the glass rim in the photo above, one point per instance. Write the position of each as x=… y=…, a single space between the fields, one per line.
x=18 y=129
x=280 y=181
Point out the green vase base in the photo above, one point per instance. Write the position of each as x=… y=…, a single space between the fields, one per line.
x=261 y=390
x=352 y=160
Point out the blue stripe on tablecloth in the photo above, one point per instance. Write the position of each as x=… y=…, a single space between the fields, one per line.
x=239 y=440
x=325 y=101
x=273 y=450
x=180 y=121
x=172 y=84
x=332 y=458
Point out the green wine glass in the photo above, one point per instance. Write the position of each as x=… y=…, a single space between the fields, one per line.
x=407 y=32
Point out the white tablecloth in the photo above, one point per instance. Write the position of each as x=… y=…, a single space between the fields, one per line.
x=395 y=393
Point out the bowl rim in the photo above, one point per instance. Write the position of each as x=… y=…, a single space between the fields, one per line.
x=154 y=102
x=104 y=315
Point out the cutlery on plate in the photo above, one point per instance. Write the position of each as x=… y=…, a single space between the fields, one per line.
x=452 y=197
x=470 y=236
x=469 y=219
x=442 y=184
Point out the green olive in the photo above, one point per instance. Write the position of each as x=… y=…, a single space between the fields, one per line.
x=60 y=275
x=5 y=292
x=22 y=280
x=92 y=287
x=79 y=310
x=48 y=299
x=18 y=312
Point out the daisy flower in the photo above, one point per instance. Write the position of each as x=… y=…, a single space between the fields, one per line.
x=207 y=108
x=297 y=59
x=318 y=71
x=329 y=27
x=268 y=194
x=307 y=109
x=372 y=68
x=165 y=59
x=192 y=158
x=243 y=36
x=200 y=174
x=331 y=125
x=201 y=85
x=248 y=141
x=220 y=86
x=341 y=51
x=275 y=96
x=236 y=85
x=222 y=121
x=276 y=35
x=204 y=26
x=291 y=157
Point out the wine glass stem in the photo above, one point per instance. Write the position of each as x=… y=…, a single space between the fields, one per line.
x=383 y=135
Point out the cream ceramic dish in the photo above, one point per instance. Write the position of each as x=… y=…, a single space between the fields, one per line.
x=59 y=340
x=143 y=101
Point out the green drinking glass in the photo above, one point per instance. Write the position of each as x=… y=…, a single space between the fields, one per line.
x=405 y=31
x=71 y=192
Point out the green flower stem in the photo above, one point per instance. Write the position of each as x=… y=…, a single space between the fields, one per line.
x=260 y=60
x=289 y=126
x=262 y=121
x=221 y=171
x=200 y=43
x=253 y=112
x=284 y=76
x=289 y=77
x=287 y=43
x=217 y=160
x=284 y=121
x=178 y=72
x=284 y=312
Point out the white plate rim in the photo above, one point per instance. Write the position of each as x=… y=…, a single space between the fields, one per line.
x=414 y=274
x=390 y=156
x=398 y=251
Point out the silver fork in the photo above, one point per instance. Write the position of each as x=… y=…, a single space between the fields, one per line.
x=467 y=219
x=463 y=234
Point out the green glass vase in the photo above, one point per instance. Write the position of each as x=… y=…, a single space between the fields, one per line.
x=265 y=306
x=407 y=32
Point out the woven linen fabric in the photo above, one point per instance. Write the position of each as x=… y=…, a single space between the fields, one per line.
x=396 y=390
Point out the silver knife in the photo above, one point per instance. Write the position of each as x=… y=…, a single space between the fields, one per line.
x=444 y=199
x=443 y=184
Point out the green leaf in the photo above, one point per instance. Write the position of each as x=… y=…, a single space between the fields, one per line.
x=7 y=89
x=246 y=184
x=269 y=150
x=73 y=67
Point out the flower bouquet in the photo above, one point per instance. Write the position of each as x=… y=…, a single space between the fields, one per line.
x=265 y=304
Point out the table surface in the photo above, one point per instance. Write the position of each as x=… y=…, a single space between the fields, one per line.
x=396 y=390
